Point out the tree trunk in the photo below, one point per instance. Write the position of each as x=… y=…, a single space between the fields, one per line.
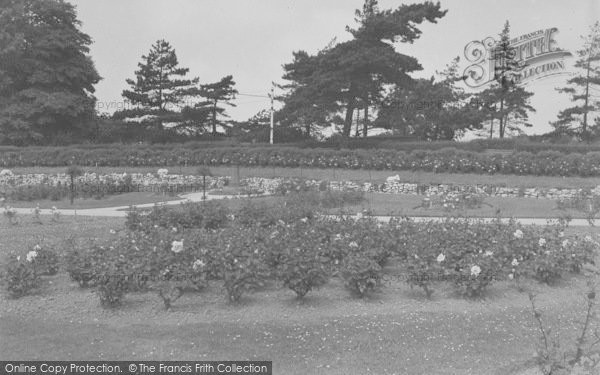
x=366 y=122
x=214 y=120
x=349 y=113
x=356 y=132
x=587 y=95
x=348 y=120
x=502 y=120
x=492 y=127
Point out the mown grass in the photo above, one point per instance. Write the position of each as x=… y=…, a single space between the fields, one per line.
x=411 y=205
x=124 y=199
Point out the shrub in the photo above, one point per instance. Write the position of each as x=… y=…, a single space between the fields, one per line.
x=361 y=275
x=242 y=269
x=20 y=277
x=111 y=289
x=82 y=264
x=46 y=262
x=301 y=266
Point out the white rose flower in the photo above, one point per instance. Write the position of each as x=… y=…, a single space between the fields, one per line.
x=518 y=234
x=515 y=262
x=112 y=231
x=353 y=244
x=177 y=246
x=511 y=276
x=198 y=264
x=475 y=271
x=565 y=243
x=174 y=230
x=31 y=255
x=542 y=242
x=588 y=238
x=488 y=253
x=359 y=215
x=441 y=258
x=304 y=220
x=37 y=247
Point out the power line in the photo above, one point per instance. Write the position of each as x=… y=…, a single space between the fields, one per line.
x=254 y=95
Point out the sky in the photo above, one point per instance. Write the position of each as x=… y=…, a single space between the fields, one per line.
x=252 y=39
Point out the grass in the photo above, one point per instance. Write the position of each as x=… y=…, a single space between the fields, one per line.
x=125 y=199
x=410 y=205
x=354 y=175
x=395 y=331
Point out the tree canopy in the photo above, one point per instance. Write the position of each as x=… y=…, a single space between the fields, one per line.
x=46 y=76
x=582 y=88
x=350 y=75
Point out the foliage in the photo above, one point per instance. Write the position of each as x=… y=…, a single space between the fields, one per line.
x=20 y=277
x=46 y=76
x=159 y=88
x=301 y=265
x=361 y=274
x=215 y=93
x=576 y=119
x=240 y=261
x=431 y=109
x=46 y=261
x=451 y=160
x=351 y=75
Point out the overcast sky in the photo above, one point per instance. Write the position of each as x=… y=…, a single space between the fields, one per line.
x=251 y=39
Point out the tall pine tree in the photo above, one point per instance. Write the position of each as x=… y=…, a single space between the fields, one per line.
x=160 y=89
x=352 y=74
x=508 y=100
x=46 y=76
x=216 y=95
x=584 y=88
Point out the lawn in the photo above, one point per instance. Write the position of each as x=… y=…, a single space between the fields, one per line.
x=411 y=205
x=397 y=331
x=125 y=199
x=353 y=175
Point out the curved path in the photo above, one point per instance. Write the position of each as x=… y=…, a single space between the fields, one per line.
x=121 y=211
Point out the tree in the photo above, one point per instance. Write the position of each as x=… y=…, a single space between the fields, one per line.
x=581 y=87
x=46 y=76
x=508 y=101
x=346 y=76
x=431 y=109
x=159 y=90
x=215 y=93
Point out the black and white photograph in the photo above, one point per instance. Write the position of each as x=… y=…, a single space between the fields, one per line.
x=291 y=187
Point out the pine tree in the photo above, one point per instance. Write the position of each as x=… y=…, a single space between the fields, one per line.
x=160 y=89
x=221 y=92
x=583 y=88
x=511 y=101
x=352 y=74
x=46 y=76
x=431 y=109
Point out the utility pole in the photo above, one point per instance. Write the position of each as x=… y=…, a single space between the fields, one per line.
x=272 y=96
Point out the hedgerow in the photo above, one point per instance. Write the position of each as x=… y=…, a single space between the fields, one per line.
x=451 y=160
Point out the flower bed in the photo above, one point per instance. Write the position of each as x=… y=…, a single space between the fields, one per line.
x=90 y=183
x=172 y=250
x=449 y=160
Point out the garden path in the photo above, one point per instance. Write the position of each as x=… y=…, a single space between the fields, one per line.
x=121 y=211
